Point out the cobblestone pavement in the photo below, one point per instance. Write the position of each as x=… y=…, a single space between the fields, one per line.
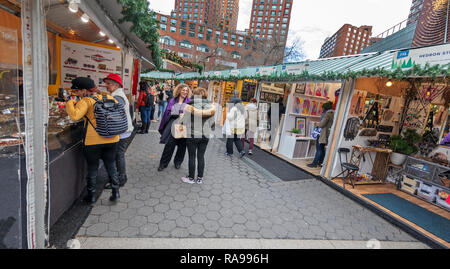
x=236 y=200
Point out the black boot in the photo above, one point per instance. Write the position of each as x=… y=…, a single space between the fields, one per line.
x=115 y=195
x=147 y=127
x=143 y=127
x=91 y=196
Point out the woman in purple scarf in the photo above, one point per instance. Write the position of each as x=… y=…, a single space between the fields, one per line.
x=174 y=109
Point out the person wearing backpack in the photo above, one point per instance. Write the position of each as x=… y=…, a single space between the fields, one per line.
x=144 y=106
x=326 y=121
x=115 y=88
x=95 y=146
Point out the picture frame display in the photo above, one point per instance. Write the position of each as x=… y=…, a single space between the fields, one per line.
x=300 y=88
x=300 y=123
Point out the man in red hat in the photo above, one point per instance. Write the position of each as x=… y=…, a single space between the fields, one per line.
x=115 y=88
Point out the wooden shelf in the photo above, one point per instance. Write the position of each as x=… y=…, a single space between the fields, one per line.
x=311 y=96
x=301 y=115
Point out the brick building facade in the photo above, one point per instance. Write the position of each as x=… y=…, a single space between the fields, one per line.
x=349 y=40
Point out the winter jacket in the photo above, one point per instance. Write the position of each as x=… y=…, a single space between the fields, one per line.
x=236 y=119
x=168 y=114
x=85 y=107
x=143 y=97
x=120 y=93
x=251 y=117
x=203 y=112
x=325 y=124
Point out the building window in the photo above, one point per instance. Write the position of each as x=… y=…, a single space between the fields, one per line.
x=173 y=29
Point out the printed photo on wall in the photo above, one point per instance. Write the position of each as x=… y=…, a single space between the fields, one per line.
x=306 y=107
x=300 y=124
x=358 y=103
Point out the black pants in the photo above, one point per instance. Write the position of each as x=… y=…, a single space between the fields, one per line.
x=237 y=142
x=169 y=148
x=196 y=148
x=120 y=158
x=107 y=153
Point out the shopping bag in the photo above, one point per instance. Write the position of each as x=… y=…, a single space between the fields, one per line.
x=180 y=131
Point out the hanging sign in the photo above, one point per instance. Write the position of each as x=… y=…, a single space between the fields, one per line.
x=406 y=59
x=83 y=59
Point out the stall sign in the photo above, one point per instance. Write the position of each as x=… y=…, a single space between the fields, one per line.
x=235 y=72
x=295 y=69
x=406 y=59
x=265 y=71
x=83 y=59
x=127 y=73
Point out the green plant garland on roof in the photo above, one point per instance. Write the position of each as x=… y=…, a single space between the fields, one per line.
x=145 y=26
x=417 y=71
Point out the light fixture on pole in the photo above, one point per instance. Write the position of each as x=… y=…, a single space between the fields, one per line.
x=85 y=18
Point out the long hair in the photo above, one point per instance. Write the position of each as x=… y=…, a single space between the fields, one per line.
x=177 y=90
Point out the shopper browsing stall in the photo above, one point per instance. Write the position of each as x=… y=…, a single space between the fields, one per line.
x=144 y=106
x=326 y=121
x=251 y=124
x=115 y=88
x=96 y=147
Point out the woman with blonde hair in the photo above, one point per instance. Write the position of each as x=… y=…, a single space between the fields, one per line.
x=199 y=118
x=174 y=109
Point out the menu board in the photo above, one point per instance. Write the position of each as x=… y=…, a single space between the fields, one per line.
x=82 y=59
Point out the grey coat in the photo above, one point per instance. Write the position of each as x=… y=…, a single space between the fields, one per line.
x=325 y=124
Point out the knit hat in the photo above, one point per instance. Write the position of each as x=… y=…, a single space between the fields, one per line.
x=115 y=78
x=82 y=83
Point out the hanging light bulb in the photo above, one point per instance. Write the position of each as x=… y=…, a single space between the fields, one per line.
x=102 y=34
x=428 y=92
x=389 y=83
x=73 y=7
x=110 y=41
x=85 y=18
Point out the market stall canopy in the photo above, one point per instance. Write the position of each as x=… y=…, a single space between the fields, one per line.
x=107 y=15
x=431 y=61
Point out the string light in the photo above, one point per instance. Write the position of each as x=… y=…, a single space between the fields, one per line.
x=102 y=34
x=73 y=7
x=389 y=83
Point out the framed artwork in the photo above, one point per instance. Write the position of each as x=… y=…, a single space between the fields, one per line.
x=326 y=90
x=314 y=108
x=319 y=90
x=300 y=88
x=297 y=105
x=309 y=89
x=306 y=106
x=300 y=123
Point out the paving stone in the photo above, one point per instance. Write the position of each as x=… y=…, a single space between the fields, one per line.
x=167 y=225
x=148 y=229
x=183 y=222
x=96 y=229
x=145 y=211
x=118 y=225
x=199 y=218
x=129 y=232
x=188 y=212
x=109 y=217
x=138 y=221
x=196 y=229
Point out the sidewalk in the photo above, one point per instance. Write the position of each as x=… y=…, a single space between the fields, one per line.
x=238 y=200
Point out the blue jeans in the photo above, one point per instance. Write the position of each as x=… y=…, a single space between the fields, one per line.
x=145 y=113
x=320 y=153
x=162 y=109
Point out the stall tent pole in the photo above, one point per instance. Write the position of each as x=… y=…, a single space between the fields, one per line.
x=340 y=117
x=35 y=65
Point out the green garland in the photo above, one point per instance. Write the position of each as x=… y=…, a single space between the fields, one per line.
x=417 y=71
x=172 y=56
x=145 y=26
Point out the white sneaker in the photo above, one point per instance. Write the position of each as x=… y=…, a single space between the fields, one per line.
x=199 y=180
x=188 y=180
x=250 y=152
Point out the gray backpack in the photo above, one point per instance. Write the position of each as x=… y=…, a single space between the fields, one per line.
x=110 y=116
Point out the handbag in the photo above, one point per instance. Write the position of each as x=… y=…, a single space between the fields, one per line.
x=180 y=131
x=316 y=132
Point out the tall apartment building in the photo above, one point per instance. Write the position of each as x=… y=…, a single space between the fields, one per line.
x=348 y=40
x=218 y=13
x=415 y=10
x=433 y=25
x=270 y=20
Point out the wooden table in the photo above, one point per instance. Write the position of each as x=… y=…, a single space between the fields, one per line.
x=380 y=165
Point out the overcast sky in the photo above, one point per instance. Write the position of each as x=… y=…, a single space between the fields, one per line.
x=312 y=21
